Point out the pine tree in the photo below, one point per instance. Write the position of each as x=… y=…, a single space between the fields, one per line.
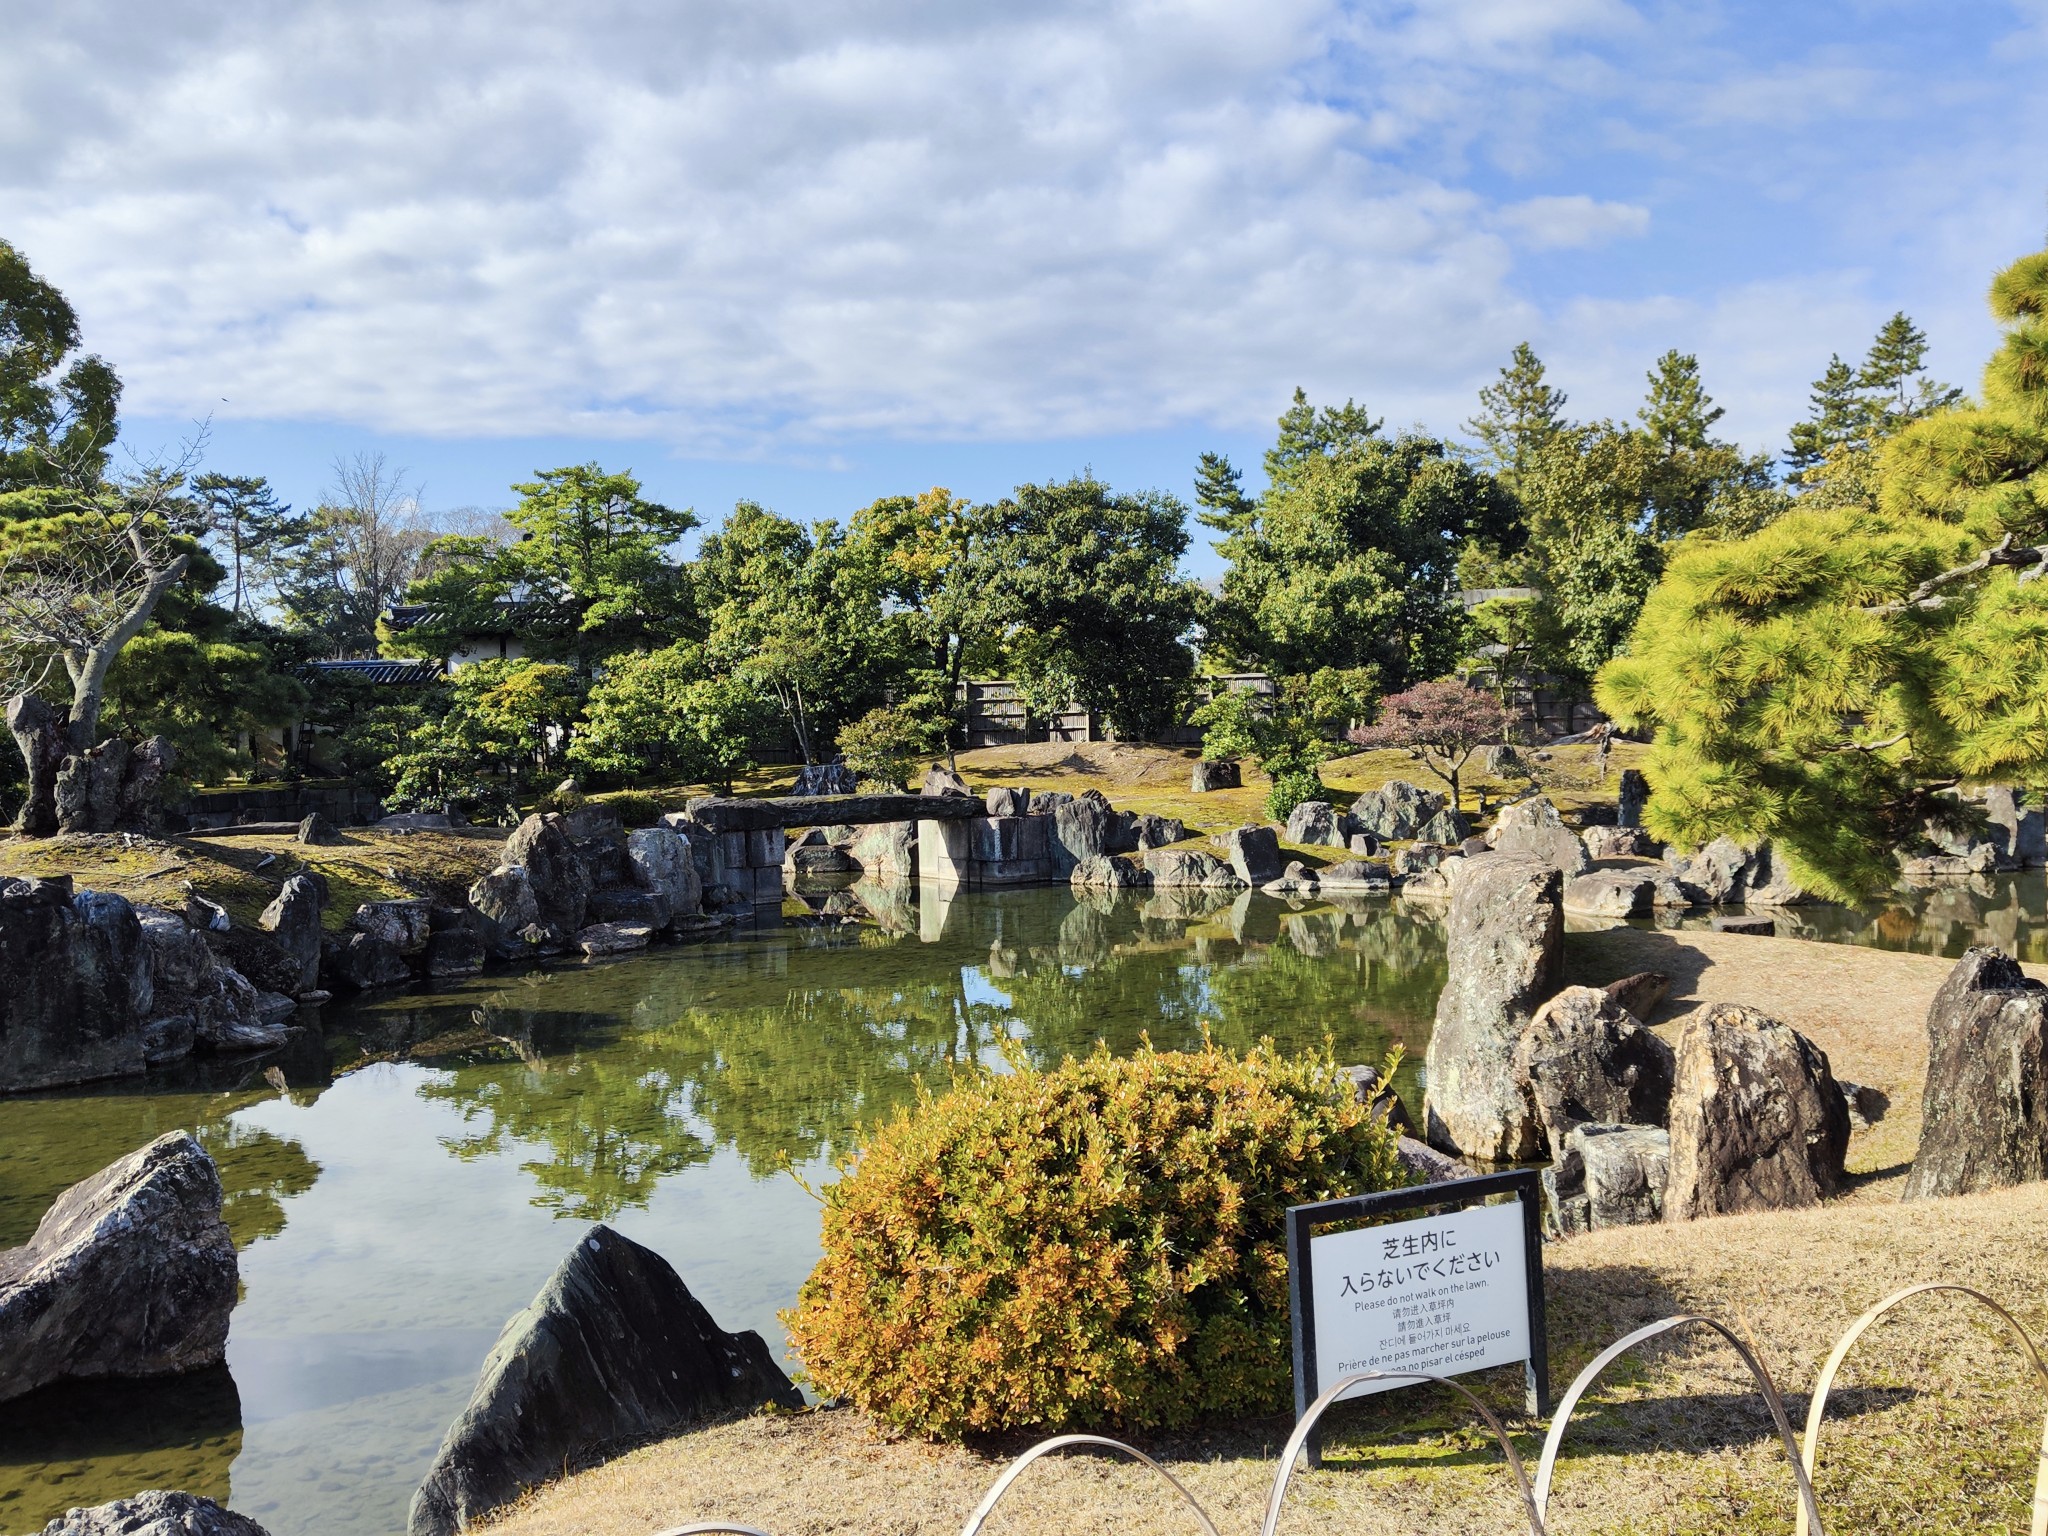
x=1219 y=488
x=1836 y=418
x=1518 y=414
x=1678 y=412
x=1307 y=433
x=1893 y=377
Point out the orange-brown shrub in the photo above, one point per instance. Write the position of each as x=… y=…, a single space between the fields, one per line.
x=1102 y=1244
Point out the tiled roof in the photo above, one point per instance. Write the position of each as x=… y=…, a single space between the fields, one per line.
x=379 y=669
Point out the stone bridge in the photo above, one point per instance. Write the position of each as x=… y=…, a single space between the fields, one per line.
x=957 y=841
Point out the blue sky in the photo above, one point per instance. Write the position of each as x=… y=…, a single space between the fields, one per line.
x=815 y=255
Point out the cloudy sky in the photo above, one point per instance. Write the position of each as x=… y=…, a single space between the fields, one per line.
x=814 y=254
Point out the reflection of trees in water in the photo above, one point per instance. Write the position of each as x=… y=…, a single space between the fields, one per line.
x=259 y=1171
x=1942 y=916
x=783 y=1046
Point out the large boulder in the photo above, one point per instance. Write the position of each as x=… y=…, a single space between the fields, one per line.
x=453 y=952
x=542 y=847
x=1984 y=1114
x=1617 y=843
x=1365 y=875
x=1612 y=893
x=887 y=852
x=1188 y=867
x=1254 y=854
x=504 y=902
x=2017 y=829
x=130 y=1273
x=75 y=986
x=663 y=864
x=1633 y=793
x=1758 y=1122
x=1395 y=812
x=613 y=1348
x=155 y=1513
x=1586 y=1058
x=195 y=998
x=1316 y=823
x=1208 y=777
x=1728 y=873
x=404 y=925
x=1505 y=953
x=1445 y=826
x=1533 y=828
x=1111 y=872
x=1640 y=993
x=941 y=780
x=293 y=921
x=359 y=962
x=1608 y=1176
x=1080 y=831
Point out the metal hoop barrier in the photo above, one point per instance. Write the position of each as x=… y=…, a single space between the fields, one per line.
x=1809 y=1511
x=1299 y=1438
x=1826 y=1383
x=1060 y=1443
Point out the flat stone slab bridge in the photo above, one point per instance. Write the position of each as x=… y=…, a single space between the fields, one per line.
x=957 y=841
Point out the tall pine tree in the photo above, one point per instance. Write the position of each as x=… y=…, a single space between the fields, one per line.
x=1519 y=413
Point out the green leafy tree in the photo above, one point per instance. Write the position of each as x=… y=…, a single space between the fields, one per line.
x=935 y=559
x=1518 y=414
x=666 y=716
x=798 y=613
x=58 y=407
x=1352 y=559
x=1818 y=682
x=1440 y=724
x=1096 y=611
x=885 y=745
x=505 y=730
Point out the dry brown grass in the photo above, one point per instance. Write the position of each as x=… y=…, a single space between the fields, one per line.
x=1932 y=1432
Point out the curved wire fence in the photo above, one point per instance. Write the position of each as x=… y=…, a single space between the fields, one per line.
x=1535 y=1496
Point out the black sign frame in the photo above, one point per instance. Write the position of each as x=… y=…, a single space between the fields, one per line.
x=1525 y=1184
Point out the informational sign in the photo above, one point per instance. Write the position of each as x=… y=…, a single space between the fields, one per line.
x=1443 y=1294
x=1457 y=1287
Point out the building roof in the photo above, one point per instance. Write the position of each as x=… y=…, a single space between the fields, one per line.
x=404 y=670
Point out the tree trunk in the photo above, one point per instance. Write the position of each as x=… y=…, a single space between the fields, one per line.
x=38 y=731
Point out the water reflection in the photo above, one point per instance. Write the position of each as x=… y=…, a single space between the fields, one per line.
x=1930 y=917
x=406 y=1191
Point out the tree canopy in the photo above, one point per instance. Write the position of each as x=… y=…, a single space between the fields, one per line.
x=1820 y=681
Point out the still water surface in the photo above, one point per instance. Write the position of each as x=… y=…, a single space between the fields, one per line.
x=437 y=1153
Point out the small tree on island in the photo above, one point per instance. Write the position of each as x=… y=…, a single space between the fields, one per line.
x=1439 y=724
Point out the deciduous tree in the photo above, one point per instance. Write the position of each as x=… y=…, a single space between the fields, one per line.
x=1440 y=724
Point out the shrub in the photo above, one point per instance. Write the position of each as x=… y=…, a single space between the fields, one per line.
x=1292 y=784
x=635 y=807
x=1102 y=1244
x=885 y=745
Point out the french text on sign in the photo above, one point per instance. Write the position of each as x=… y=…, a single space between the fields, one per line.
x=1444 y=1294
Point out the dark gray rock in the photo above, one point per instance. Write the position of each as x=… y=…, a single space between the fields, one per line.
x=1112 y=872
x=293 y=922
x=317 y=831
x=197 y=998
x=1364 y=845
x=130 y=1273
x=1612 y=893
x=1984 y=1113
x=613 y=1348
x=561 y=886
x=941 y=781
x=1728 y=873
x=1123 y=833
x=1395 y=812
x=1533 y=829
x=1080 y=831
x=1317 y=823
x=1207 y=777
x=1426 y=1165
x=1586 y=1059
x=1617 y=843
x=627 y=904
x=504 y=902
x=1159 y=831
x=360 y=962
x=1189 y=867
x=1633 y=794
x=1757 y=1119
x=75 y=987
x=1505 y=953
x=1254 y=854
x=403 y=925
x=1446 y=826
x=1866 y=1105
x=1356 y=875
x=824 y=860
x=1008 y=802
x=1608 y=1176
x=1297 y=879
x=206 y=915
x=887 y=852
x=453 y=952
x=2017 y=829
x=614 y=938
x=1045 y=801
x=155 y=1513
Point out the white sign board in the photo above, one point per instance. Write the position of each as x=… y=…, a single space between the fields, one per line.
x=1443 y=1294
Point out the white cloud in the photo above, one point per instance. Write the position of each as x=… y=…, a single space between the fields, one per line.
x=1570 y=223
x=783 y=225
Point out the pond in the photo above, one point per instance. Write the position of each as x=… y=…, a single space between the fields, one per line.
x=434 y=1154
